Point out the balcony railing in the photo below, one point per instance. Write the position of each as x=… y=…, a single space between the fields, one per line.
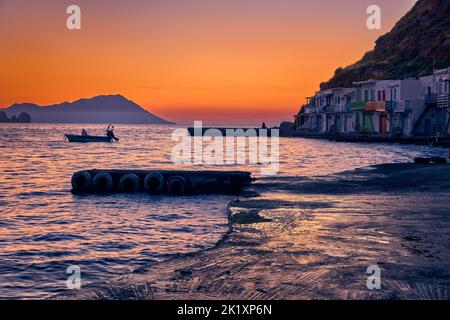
x=391 y=106
x=375 y=106
x=369 y=106
x=310 y=109
x=354 y=106
x=443 y=101
x=431 y=98
x=344 y=108
x=330 y=109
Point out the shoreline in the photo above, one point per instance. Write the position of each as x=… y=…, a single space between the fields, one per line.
x=443 y=142
x=313 y=238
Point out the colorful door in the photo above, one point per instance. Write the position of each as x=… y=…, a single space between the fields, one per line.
x=383 y=124
x=368 y=126
x=337 y=123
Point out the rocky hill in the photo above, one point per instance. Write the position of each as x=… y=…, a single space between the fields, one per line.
x=22 y=118
x=408 y=50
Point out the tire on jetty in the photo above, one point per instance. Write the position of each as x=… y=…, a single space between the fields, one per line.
x=81 y=181
x=177 y=185
x=154 y=182
x=439 y=160
x=422 y=160
x=129 y=183
x=102 y=183
x=175 y=182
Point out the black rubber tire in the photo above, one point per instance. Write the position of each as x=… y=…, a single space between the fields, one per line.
x=129 y=183
x=438 y=160
x=81 y=181
x=421 y=160
x=154 y=182
x=177 y=185
x=102 y=183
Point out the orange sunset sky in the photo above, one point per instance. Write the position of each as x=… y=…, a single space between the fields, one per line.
x=234 y=61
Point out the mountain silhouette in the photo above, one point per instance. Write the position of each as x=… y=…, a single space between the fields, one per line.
x=100 y=109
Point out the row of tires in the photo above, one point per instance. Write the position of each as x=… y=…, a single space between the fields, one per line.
x=103 y=182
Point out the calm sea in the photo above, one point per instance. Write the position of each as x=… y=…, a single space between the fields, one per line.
x=44 y=228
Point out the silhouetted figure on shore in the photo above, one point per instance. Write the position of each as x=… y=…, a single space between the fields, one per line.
x=264 y=125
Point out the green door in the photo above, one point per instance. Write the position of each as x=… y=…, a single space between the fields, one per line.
x=337 y=123
x=368 y=122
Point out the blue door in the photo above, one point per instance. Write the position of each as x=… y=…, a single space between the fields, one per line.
x=427 y=128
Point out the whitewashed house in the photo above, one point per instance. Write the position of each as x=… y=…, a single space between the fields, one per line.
x=404 y=104
x=434 y=120
x=369 y=109
x=343 y=120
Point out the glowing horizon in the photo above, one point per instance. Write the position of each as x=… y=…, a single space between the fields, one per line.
x=220 y=62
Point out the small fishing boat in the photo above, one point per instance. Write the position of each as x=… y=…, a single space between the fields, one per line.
x=75 y=138
x=85 y=137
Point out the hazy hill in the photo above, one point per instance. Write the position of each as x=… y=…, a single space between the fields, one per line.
x=407 y=50
x=22 y=118
x=100 y=109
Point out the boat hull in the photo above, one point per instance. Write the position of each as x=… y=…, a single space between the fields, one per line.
x=85 y=139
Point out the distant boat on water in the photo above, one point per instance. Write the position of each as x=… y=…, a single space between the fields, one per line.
x=84 y=139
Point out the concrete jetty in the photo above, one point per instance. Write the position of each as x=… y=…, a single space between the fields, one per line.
x=314 y=239
x=231 y=132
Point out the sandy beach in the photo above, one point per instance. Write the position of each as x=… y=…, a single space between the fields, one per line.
x=314 y=238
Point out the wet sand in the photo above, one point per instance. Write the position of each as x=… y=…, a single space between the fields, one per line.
x=314 y=238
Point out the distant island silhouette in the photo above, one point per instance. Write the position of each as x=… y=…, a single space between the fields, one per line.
x=99 y=109
x=22 y=118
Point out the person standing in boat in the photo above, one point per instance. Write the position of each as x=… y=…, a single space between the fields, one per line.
x=110 y=132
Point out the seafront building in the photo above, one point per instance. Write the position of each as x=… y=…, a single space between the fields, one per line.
x=399 y=108
x=434 y=120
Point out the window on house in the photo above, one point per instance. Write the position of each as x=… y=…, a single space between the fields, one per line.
x=372 y=94
x=366 y=95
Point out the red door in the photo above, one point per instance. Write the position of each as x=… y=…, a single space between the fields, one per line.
x=383 y=124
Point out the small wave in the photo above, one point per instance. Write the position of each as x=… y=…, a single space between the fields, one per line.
x=55 y=237
x=168 y=217
x=38 y=194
